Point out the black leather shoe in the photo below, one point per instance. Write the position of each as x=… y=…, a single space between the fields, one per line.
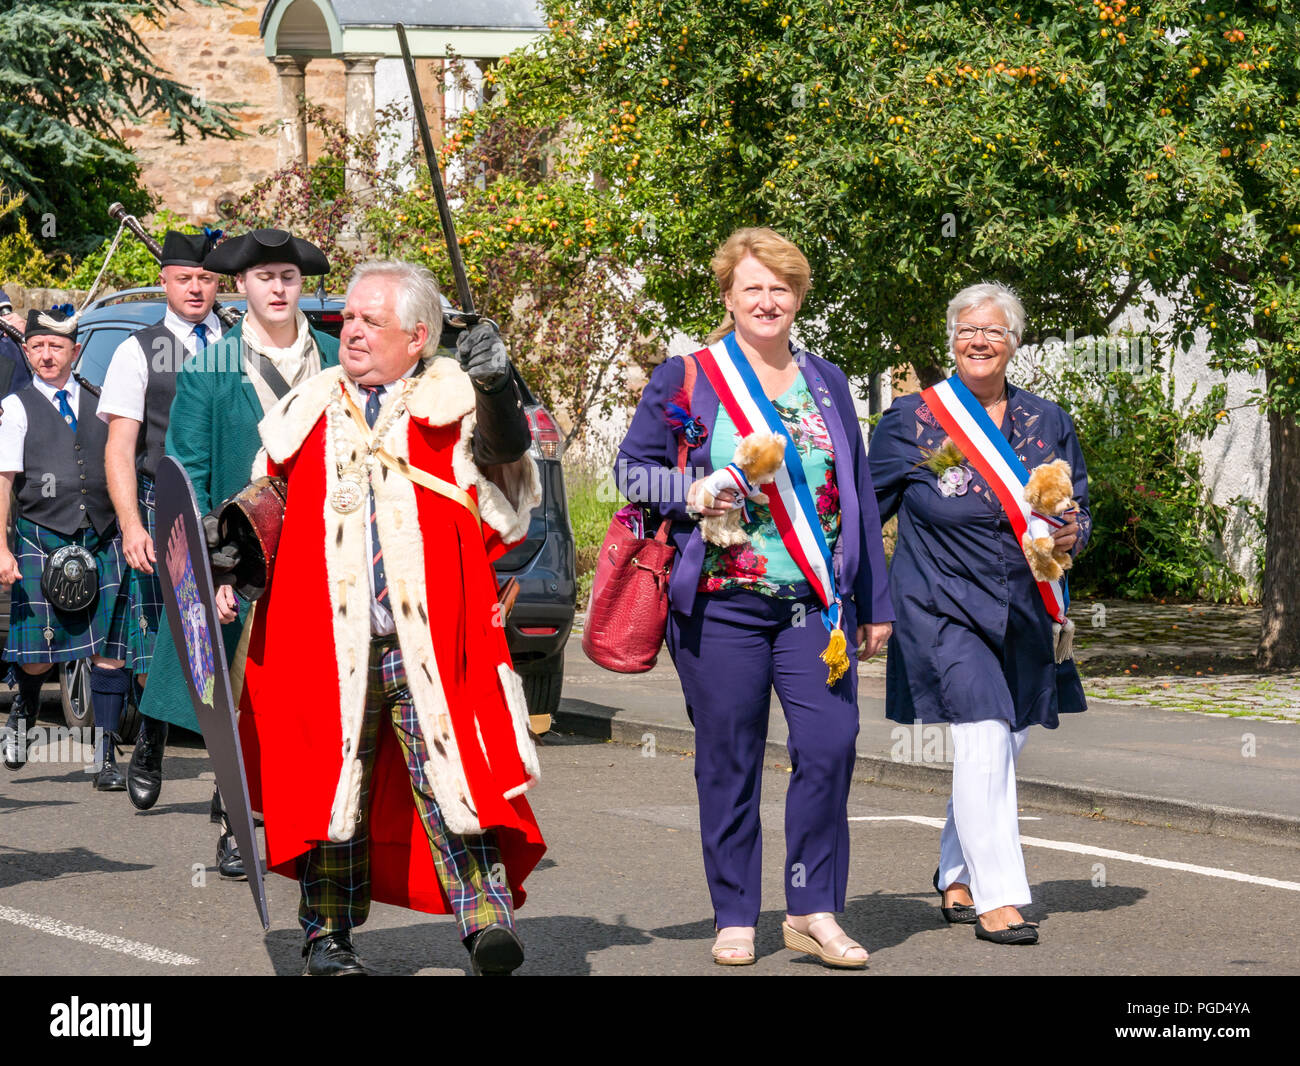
x=1015 y=933
x=144 y=774
x=13 y=738
x=108 y=778
x=958 y=913
x=332 y=955
x=495 y=951
x=230 y=864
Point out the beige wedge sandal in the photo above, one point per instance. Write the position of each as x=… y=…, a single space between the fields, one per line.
x=735 y=943
x=832 y=953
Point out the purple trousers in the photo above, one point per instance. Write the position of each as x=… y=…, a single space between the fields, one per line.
x=730 y=652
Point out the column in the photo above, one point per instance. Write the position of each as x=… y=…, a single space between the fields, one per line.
x=358 y=108
x=291 y=147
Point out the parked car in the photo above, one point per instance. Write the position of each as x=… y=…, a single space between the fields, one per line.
x=544 y=564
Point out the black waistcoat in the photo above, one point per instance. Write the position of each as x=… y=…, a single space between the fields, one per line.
x=63 y=480
x=164 y=353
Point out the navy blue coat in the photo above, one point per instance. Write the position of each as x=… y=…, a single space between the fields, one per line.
x=973 y=640
x=645 y=473
x=14 y=372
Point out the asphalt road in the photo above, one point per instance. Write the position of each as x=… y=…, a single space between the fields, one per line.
x=90 y=886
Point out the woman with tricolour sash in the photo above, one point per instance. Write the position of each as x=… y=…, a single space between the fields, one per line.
x=979 y=643
x=786 y=610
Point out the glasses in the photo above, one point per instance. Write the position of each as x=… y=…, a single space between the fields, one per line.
x=993 y=334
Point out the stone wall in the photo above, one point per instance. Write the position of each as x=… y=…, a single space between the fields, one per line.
x=218 y=51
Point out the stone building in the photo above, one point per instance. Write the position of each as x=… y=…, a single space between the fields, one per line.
x=340 y=54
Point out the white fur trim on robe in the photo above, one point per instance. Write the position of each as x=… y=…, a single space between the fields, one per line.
x=441 y=395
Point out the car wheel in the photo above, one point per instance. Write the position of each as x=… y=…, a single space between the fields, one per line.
x=79 y=707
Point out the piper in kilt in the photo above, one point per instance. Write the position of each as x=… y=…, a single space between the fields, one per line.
x=52 y=457
x=136 y=404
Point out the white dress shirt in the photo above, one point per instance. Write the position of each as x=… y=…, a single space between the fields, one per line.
x=128 y=372
x=13 y=421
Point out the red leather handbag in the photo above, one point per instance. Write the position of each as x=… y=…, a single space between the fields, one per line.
x=628 y=612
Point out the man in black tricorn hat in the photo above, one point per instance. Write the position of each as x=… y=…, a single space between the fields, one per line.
x=69 y=568
x=221 y=395
x=136 y=402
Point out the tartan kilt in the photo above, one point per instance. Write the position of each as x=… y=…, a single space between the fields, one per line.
x=145 y=610
x=99 y=631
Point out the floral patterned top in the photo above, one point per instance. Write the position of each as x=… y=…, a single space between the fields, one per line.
x=764 y=565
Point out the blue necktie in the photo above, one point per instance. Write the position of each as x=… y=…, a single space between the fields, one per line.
x=65 y=409
x=201 y=331
x=377 y=562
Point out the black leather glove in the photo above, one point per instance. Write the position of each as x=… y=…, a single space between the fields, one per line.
x=223 y=558
x=483 y=357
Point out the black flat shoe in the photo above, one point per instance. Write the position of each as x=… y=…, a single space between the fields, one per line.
x=1016 y=933
x=332 y=955
x=230 y=864
x=144 y=772
x=958 y=913
x=495 y=951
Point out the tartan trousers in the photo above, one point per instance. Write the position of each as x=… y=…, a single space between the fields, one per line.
x=335 y=878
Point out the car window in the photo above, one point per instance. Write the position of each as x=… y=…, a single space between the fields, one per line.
x=98 y=346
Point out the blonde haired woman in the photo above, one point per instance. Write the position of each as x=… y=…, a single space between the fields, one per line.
x=787 y=610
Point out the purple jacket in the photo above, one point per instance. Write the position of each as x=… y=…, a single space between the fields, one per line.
x=645 y=472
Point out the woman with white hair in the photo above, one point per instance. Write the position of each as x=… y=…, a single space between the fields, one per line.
x=978 y=643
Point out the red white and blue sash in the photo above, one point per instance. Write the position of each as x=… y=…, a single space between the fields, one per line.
x=982 y=443
x=792 y=507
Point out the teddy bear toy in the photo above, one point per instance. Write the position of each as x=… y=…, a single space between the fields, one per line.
x=758 y=457
x=1050 y=493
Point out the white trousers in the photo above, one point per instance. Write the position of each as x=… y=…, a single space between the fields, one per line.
x=980 y=845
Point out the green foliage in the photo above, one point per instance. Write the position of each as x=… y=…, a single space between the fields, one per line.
x=1093 y=155
x=1156 y=531
x=21 y=259
x=133 y=264
x=72 y=74
x=591 y=506
x=73 y=216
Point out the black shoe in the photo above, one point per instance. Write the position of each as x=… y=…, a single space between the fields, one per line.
x=332 y=955
x=1016 y=933
x=144 y=774
x=13 y=738
x=108 y=778
x=495 y=951
x=230 y=864
x=958 y=913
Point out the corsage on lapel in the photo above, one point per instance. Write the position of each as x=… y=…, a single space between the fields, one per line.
x=947 y=461
x=680 y=421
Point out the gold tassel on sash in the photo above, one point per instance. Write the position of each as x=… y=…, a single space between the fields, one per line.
x=836 y=656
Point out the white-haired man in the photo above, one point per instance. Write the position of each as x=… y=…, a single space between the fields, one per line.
x=395 y=766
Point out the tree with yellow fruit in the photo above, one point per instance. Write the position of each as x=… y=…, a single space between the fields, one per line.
x=1096 y=154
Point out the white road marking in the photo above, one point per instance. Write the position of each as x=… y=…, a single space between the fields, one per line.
x=1105 y=853
x=134 y=948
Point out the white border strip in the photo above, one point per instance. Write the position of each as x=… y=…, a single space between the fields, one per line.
x=1107 y=853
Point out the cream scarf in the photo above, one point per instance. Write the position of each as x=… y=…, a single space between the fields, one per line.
x=295 y=363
